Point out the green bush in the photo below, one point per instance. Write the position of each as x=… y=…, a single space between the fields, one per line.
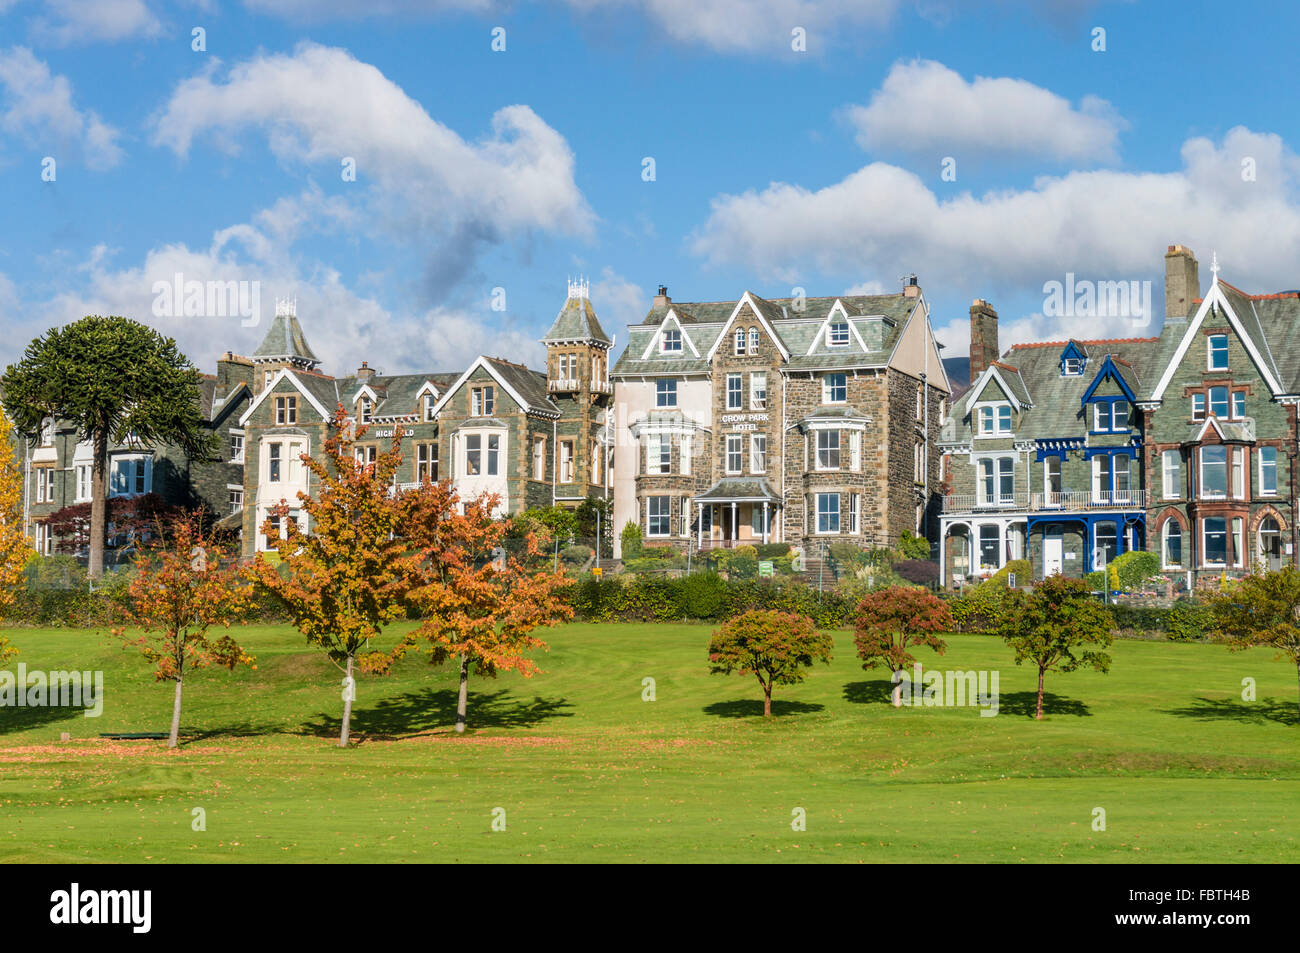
x=1134 y=568
x=772 y=550
x=577 y=556
x=631 y=538
x=912 y=546
x=702 y=595
x=1187 y=621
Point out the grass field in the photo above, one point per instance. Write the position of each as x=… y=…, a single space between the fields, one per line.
x=587 y=771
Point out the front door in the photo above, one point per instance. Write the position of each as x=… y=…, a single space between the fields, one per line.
x=1053 y=555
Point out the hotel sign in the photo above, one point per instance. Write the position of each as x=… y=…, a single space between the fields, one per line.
x=406 y=432
x=743 y=421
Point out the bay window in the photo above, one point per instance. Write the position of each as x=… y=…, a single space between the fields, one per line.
x=1214 y=541
x=1214 y=473
x=828 y=450
x=658 y=515
x=828 y=513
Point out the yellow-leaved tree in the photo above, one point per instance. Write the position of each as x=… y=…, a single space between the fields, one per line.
x=15 y=550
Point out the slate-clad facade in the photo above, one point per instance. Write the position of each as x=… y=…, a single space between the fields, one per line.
x=533 y=438
x=803 y=420
x=1070 y=453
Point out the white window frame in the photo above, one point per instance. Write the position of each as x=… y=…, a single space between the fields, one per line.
x=829 y=388
x=1170 y=527
x=671 y=341
x=736 y=395
x=830 y=513
x=1201 y=493
x=651 y=518
x=1260 y=454
x=758 y=390
x=757 y=453
x=1205 y=552
x=1171 y=477
x=1209 y=352
x=666 y=392
x=738 y=342
x=736 y=455
x=838 y=334
x=823 y=457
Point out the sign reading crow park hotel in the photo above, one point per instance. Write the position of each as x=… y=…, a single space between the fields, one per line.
x=743 y=421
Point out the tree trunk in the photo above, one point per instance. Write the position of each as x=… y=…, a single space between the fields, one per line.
x=462 y=700
x=98 y=504
x=898 y=689
x=767 y=698
x=176 y=716
x=349 y=691
x=1039 y=716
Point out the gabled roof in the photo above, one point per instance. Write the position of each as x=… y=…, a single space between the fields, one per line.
x=527 y=387
x=308 y=385
x=1112 y=369
x=1007 y=377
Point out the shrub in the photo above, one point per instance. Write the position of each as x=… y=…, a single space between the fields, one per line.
x=1000 y=578
x=702 y=595
x=913 y=547
x=577 y=556
x=1134 y=568
x=772 y=550
x=743 y=562
x=920 y=572
x=1095 y=581
x=1186 y=621
x=631 y=538
x=845 y=556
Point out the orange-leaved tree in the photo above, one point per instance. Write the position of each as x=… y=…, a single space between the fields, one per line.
x=15 y=550
x=479 y=604
x=775 y=647
x=183 y=586
x=346 y=575
x=891 y=621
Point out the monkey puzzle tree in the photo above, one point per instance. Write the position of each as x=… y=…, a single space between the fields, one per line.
x=1261 y=610
x=1056 y=626
x=346 y=576
x=114 y=379
x=775 y=647
x=183 y=586
x=479 y=603
x=15 y=550
x=889 y=621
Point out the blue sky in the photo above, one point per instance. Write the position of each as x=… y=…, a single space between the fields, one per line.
x=774 y=168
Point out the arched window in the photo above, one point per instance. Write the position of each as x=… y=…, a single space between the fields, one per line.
x=1270 y=543
x=740 y=340
x=753 y=340
x=1171 y=545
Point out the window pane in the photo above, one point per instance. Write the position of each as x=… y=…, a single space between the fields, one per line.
x=1214 y=471
x=1219 y=352
x=1216 y=540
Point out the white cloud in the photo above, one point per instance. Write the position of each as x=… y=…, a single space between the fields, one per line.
x=74 y=22
x=1104 y=225
x=725 y=25
x=925 y=107
x=37 y=106
x=418 y=179
x=618 y=302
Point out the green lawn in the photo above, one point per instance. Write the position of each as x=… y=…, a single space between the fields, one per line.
x=588 y=771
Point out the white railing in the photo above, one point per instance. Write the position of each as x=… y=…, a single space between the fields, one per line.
x=1065 y=501
x=603 y=387
x=565 y=384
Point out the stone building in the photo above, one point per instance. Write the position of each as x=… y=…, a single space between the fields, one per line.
x=1070 y=453
x=795 y=420
x=533 y=438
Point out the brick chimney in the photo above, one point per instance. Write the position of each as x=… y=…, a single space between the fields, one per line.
x=910 y=288
x=1182 y=282
x=233 y=370
x=365 y=372
x=983 y=337
x=661 y=299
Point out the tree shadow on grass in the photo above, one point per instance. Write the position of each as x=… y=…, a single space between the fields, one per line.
x=753 y=707
x=870 y=693
x=1231 y=709
x=1025 y=704
x=414 y=713
x=14 y=719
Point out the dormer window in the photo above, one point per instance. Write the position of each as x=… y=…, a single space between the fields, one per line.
x=1218 y=352
x=429 y=403
x=839 y=334
x=995 y=420
x=1110 y=416
x=1072 y=366
x=365 y=410
x=671 y=342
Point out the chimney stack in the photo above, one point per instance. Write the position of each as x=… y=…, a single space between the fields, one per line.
x=983 y=337
x=1182 y=282
x=365 y=372
x=910 y=288
x=661 y=299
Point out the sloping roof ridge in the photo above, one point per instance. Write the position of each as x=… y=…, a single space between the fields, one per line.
x=1090 y=343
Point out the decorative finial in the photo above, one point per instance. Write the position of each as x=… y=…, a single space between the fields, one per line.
x=580 y=288
x=286 y=307
x=1214 y=265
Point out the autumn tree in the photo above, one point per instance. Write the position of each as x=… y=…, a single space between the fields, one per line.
x=1261 y=610
x=183 y=587
x=890 y=622
x=15 y=550
x=115 y=380
x=147 y=515
x=480 y=603
x=775 y=647
x=345 y=576
x=1057 y=625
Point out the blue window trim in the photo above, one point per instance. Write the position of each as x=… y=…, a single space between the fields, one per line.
x=1072 y=351
x=1130 y=451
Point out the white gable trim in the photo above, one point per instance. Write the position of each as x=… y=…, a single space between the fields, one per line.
x=482 y=362
x=991 y=372
x=1214 y=296
x=838 y=306
x=1210 y=422
x=427 y=386
x=365 y=389
x=746 y=299
x=653 y=346
x=297 y=384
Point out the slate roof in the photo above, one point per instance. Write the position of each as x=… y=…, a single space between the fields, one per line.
x=285 y=340
x=738 y=489
x=577 y=322
x=877 y=319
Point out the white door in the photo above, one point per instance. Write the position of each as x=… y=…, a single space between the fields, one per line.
x=1053 y=555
